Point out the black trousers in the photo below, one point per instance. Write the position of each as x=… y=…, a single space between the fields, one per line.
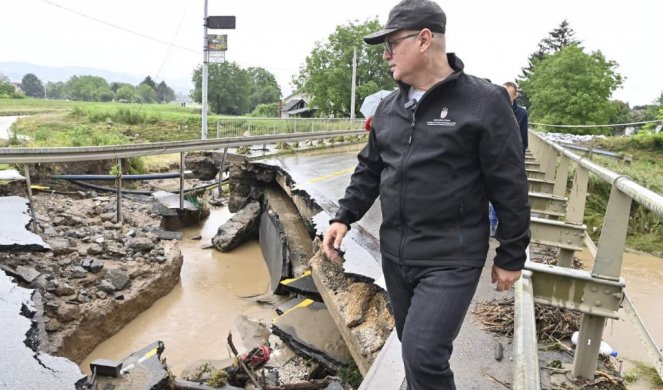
x=429 y=305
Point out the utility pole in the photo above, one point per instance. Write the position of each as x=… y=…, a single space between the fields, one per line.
x=354 y=81
x=204 y=92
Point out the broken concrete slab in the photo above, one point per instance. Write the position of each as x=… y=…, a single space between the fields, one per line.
x=360 y=310
x=302 y=285
x=171 y=201
x=142 y=369
x=174 y=218
x=242 y=227
x=14 y=237
x=11 y=175
x=358 y=261
x=288 y=305
x=310 y=331
x=28 y=368
x=299 y=237
x=26 y=274
x=274 y=247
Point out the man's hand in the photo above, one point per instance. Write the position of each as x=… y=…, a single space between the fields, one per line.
x=504 y=278
x=333 y=237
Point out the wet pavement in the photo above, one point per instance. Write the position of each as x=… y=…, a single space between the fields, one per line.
x=22 y=367
x=15 y=217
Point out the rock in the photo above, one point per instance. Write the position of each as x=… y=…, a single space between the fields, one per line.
x=242 y=227
x=99 y=240
x=169 y=235
x=140 y=244
x=93 y=265
x=115 y=249
x=64 y=289
x=78 y=272
x=118 y=278
x=106 y=287
x=160 y=259
x=202 y=166
x=50 y=231
x=95 y=250
x=101 y=295
x=60 y=246
x=131 y=233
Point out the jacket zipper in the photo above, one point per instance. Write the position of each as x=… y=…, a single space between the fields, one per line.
x=407 y=154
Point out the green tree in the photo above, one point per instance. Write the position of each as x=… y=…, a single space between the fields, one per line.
x=556 y=40
x=573 y=88
x=126 y=93
x=227 y=86
x=32 y=86
x=327 y=72
x=146 y=94
x=4 y=78
x=264 y=88
x=55 y=90
x=268 y=110
x=149 y=82
x=88 y=88
x=115 y=86
x=164 y=93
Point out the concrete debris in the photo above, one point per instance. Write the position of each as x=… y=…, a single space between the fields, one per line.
x=242 y=227
x=202 y=165
x=143 y=369
x=310 y=331
x=302 y=285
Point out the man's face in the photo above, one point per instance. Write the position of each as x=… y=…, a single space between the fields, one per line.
x=400 y=52
x=513 y=94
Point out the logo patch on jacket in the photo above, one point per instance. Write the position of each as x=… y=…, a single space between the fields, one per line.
x=442 y=121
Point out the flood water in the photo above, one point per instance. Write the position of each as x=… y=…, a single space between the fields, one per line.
x=194 y=319
x=644 y=282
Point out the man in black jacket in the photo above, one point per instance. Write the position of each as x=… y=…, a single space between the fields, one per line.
x=441 y=146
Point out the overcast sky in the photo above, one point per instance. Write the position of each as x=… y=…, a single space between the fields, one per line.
x=494 y=38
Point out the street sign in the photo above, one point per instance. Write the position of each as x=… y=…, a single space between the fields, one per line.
x=216 y=57
x=221 y=22
x=217 y=42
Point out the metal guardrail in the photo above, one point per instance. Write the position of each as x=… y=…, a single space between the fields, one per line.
x=604 y=287
x=62 y=154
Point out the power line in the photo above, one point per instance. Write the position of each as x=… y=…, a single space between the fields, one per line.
x=119 y=27
x=594 y=126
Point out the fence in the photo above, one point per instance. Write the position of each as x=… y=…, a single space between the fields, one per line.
x=247 y=126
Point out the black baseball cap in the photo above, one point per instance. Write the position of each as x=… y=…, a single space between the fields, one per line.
x=411 y=15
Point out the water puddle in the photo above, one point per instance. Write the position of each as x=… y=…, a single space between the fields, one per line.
x=644 y=283
x=194 y=319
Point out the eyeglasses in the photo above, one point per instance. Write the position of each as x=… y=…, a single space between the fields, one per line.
x=389 y=45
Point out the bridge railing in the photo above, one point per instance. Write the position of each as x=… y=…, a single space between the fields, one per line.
x=597 y=294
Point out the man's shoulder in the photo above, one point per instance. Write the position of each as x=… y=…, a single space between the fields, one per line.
x=483 y=86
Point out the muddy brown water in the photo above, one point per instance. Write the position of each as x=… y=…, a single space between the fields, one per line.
x=644 y=285
x=194 y=319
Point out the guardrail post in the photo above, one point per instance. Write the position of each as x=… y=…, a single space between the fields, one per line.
x=181 y=180
x=561 y=176
x=575 y=210
x=548 y=161
x=26 y=169
x=608 y=265
x=118 y=182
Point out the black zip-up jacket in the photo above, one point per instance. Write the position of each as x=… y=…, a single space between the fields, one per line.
x=435 y=166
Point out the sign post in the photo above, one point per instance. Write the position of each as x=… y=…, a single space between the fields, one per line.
x=214 y=50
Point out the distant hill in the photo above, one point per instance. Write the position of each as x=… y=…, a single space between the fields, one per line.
x=16 y=70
